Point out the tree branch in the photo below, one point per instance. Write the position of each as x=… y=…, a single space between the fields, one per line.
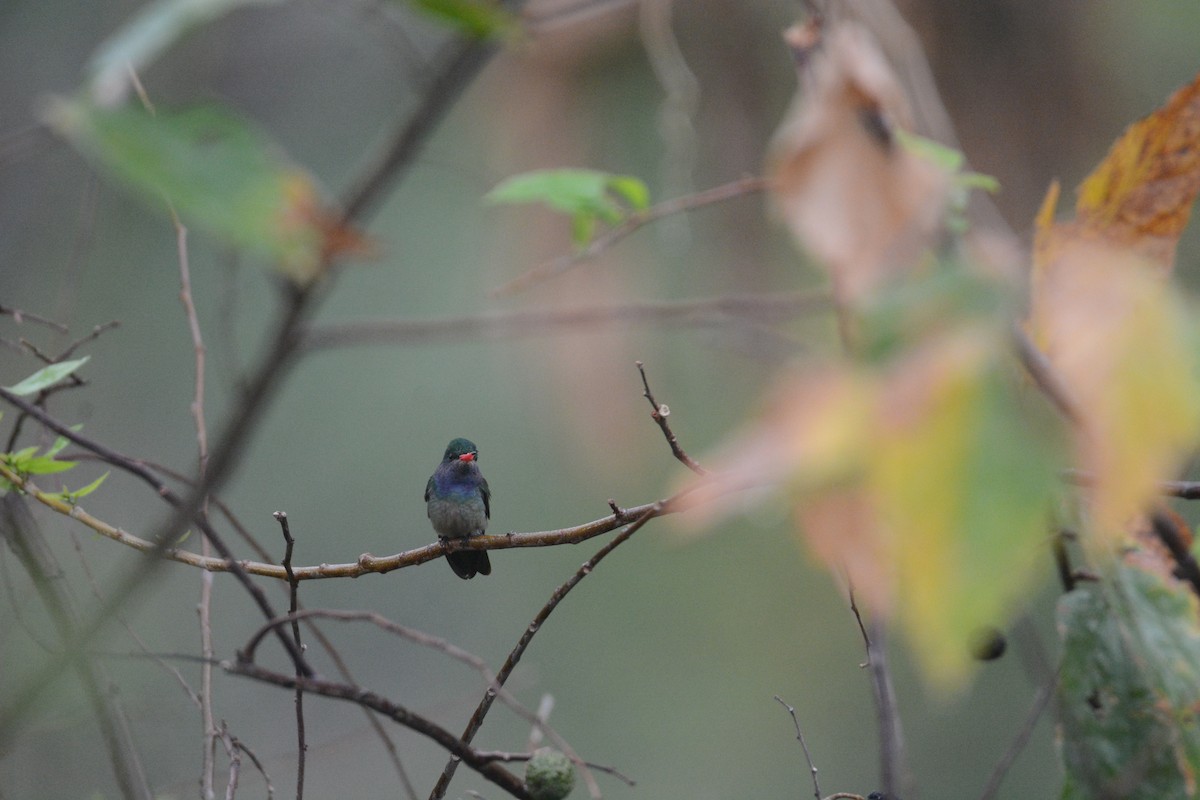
x=556 y=266
x=366 y=563
x=659 y=415
x=294 y=587
x=510 y=663
x=398 y=714
x=699 y=313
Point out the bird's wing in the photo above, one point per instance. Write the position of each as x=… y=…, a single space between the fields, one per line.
x=487 y=496
x=428 y=488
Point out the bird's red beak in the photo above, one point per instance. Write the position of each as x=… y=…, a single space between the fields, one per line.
x=467 y=457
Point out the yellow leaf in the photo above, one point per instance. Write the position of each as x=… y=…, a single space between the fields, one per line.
x=1121 y=340
x=963 y=480
x=924 y=482
x=1104 y=313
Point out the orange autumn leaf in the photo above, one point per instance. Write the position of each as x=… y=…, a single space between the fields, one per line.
x=1104 y=312
x=1141 y=195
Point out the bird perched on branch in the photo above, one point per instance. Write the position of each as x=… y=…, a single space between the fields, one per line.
x=459 y=505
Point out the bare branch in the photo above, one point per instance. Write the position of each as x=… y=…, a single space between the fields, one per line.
x=659 y=415
x=158 y=548
x=1045 y=376
x=1040 y=701
x=803 y=746
x=20 y=532
x=20 y=316
x=510 y=663
x=398 y=714
x=232 y=747
x=700 y=313
x=294 y=586
x=554 y=267
x=95 y=334
x=893 y=771
x=423 y=639
x=365 y=564
x=211 y=735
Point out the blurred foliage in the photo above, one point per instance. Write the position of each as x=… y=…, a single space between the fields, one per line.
x=586 y=195
x=934 y=426
x=1129 y=689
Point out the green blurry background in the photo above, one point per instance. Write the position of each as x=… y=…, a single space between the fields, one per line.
x=664 y=661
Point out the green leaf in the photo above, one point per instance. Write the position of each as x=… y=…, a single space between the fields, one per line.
x=1129 y=688
x=633 y=190
x=47 y=376
x=45 y=466
x=73 y=497
x=964 y=478
x=586 y=195
x=945 y=157
x=218 y=172
x=978 y=180
x=60 y=444
x=22 y=455
x=583 y=226
x=479 y=18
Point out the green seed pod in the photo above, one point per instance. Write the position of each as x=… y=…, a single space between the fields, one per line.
x=549 y=775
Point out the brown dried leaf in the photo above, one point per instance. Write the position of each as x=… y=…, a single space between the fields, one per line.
x=864 y=205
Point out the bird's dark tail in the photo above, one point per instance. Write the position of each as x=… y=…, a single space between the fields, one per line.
x=468 y=563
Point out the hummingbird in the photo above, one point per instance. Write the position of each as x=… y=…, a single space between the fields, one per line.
x=458 y=502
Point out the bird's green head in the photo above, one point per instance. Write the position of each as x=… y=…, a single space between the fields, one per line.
x=461 y=450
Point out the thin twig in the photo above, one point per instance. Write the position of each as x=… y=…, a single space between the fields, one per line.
x=170 y=669
x=248 y=653
x=235 y=762
x=510 y=663
x=397 y=713
x=210 y=735
x=20 y=316
x=456 y=66
x=659 y=415
x=1040 y=701
x=893 y=774
x=234 y=749
x=157 y=548
x=240 y=746
x=326 y=645
x=862 y=629
x=20 y=532
x=1046 y=376
x=294 y=586
x=636 y=220
x=803 y=746
x=412 y=635
x=70 y=382
x=95 y=333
